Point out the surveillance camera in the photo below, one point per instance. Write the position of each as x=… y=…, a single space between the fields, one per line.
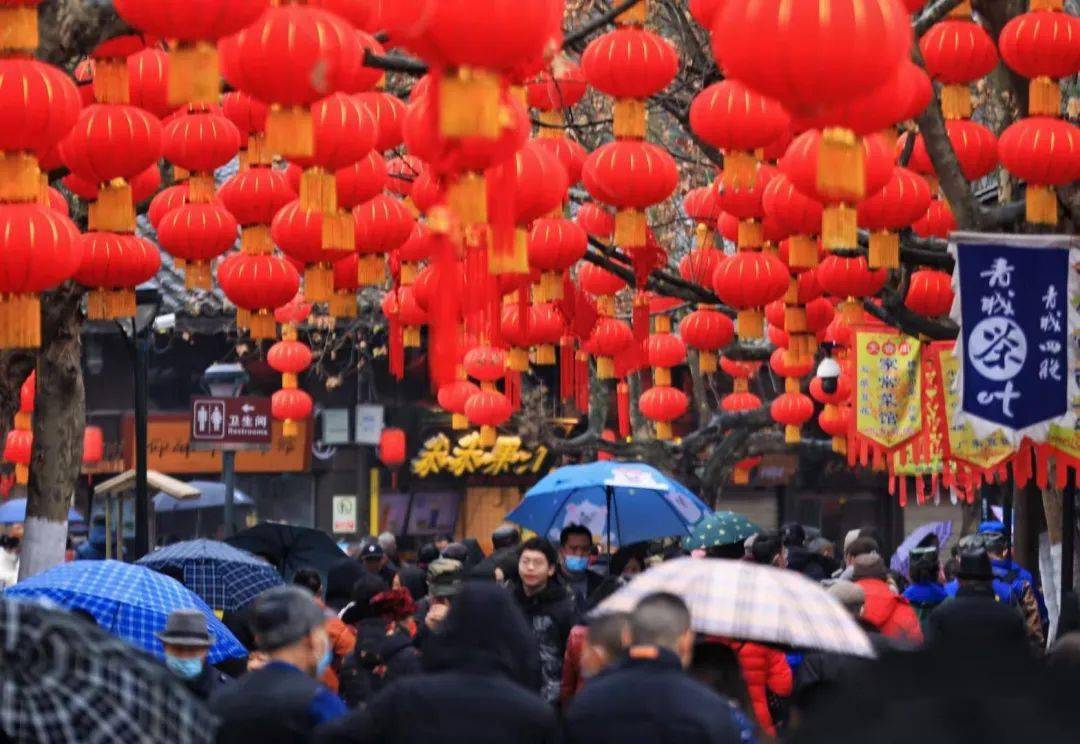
x=165 y=323
x=828 y=372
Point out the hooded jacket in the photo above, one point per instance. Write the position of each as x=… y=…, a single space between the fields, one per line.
x=473 y=687
x=551 y=613
x=889 y=612
x=764 y=670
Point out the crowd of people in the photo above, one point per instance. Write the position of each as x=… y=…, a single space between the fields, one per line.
x=459 y=646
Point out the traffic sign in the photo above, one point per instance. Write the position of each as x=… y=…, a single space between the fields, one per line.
x=230 y=423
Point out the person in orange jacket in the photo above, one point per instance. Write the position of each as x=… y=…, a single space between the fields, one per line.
x=886 y=610
x=342 y=636
x=764 y=669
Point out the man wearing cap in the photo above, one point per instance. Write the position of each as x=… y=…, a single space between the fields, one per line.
x=976 y=617
x=885 y=609
x=926 y=590
x=187 y=642
x=1016 y=576
x=283 y=701
x=375 y=561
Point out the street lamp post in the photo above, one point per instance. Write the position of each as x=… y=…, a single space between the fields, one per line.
x=147 y=304
x=227 y=381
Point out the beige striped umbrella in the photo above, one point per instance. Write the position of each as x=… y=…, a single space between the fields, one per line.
x=749 y=602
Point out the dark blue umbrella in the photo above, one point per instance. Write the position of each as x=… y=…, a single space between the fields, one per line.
x=628 y=501
x=227 y=578
x=131 y=602
x=14 y=512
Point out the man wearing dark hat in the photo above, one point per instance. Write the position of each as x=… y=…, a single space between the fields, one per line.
x=885 y=609
x=375 y=561
x=283 y=701
x=187 y=642
x=976 y=618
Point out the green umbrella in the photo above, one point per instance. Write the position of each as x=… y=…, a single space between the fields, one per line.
x=720 y=528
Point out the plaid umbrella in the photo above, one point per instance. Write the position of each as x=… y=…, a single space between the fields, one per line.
x=131 y=602
x=64 y=680
x=720 y=528
x=749 y=602
x=225 y=577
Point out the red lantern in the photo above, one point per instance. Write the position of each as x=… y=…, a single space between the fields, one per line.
x=730 y=116
x=698 y=266
x=702 y=205
x=38 y=250
x=295 y=312
x=197 y=233
x=938 y=221
x=805 y=56
x=1045 y=152
x=748 y=281
x=453 y=396
x=708 y=331
x=555 y=244
x=389 y=112
x=799 y=215
x=259 y=284
x=930 y=293
x=488 y=409
x=705 y=11
x=609 y=338
x=663 y=404
x=630 y=176
x=1043 y=45
x=793 y=410
x=557 y=89
x=290 y=406
x=903 y=200
x=112 y=265
x=850 y=278
x=17 y=449
x=841 y=394
x=516 y=332
x=200 y=143
x=298 y=232
x=957 y=52
x=93 y=445
x=596 y=221
x=254 y=197
x=485 y=363
x=664 y=351
x=836 y=422
x=392 y=447
x=568 y=152
x=546 y=328
x=383 y=224
x=602 y=284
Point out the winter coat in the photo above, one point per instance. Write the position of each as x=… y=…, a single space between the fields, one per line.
x=571 y=669
x=551 y=613
x=889 y=612
x=1028 y=597
x=378 y=659
x=342 y=641
x=278 y=704
x=471 y=690
x=649 y=698
x=924 y=598
x=764 y=669
x=822 y=672
x=207 y=683
x=976 y=618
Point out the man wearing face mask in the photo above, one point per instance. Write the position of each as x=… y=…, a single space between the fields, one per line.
x=283 y=701
x=187 y=641
x=575 y=543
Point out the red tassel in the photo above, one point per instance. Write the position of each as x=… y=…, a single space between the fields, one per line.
x=640 y=318
x=513 y=389
x=566 y=368
x=920 y=490
x=903 y=492
x=444 y=317
x=622 y=396
x=397 y=349
x=581 y=381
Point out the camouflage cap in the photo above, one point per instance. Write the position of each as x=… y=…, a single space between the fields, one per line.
x=445 y=577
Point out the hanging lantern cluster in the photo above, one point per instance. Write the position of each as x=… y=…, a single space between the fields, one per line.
x=290 y=357
x=19 y=444
x=1043 y=149
x=39 y=105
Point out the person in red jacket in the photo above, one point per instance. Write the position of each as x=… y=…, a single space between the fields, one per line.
x=886 y=610
x=763 y=669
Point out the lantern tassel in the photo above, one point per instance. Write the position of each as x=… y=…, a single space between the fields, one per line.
x=740 y=476
x=552 y=124
x=197 y=275
x=318 y=190
x=792 y=435
x=884 y=250
x=469 y=104
x=630 y=228
x=545 y=355
x=802 y=252
x=290 y=132
x=1041 y=204
x=19 y=28
x=20 y=177
x=111 y=81
x=956 y=102
x=839 y=227
x=243 y=319
x=631 y=118
x=751 y=235
x=20 y=321
x=256 y=241
x=194 y=76
x=113 y=211
x=1044 y=97
x=318 y=283
x=371 y=269
x=707 y=362
x=467 y=198
x=338 y=231
x=750 y=324
x=605 y=368
x=261 y=325
x=840 y=172
x=740 y=170
x=622 y=401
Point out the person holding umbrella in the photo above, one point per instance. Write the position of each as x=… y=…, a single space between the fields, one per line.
x=187 y=641
x=282 y=701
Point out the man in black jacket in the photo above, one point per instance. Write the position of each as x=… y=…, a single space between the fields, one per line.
x=282 y=702
x=473 y=688
x=649 y=697
x=549 y=607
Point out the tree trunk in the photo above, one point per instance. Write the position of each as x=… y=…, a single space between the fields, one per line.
x=59 y=420
x=639 y=425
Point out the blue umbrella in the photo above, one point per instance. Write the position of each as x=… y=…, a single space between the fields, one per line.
x=14 y=511
x=225 y=577
x=628 y=501
x=131 y=602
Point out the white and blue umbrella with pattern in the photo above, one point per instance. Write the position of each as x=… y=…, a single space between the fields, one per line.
x=628 y=501
x=227 y=578
x=131 y=602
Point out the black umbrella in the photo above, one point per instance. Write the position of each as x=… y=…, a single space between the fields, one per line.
x=290 y=548
x=66 y=680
